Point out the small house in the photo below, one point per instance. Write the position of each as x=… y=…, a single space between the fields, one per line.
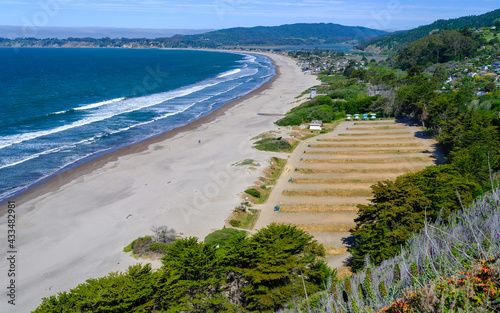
x=313 y=93
x=316 y=125
x=373 y=116
x=365 y=116
x=356 y=117
x=349 y=117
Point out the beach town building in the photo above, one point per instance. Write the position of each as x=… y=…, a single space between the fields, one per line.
x=316 y=125
x=313 y=93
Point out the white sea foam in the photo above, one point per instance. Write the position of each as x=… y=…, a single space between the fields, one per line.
x=231 y=72
x=53 y=150
x=126 y=106
x=98 y=104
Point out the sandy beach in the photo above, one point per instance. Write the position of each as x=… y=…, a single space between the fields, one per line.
x=75 y=226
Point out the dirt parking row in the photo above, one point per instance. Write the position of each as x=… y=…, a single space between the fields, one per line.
x=328 y=175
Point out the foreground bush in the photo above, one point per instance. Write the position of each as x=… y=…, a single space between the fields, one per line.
x=257 y=274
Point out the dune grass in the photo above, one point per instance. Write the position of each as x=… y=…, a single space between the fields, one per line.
x=354 y=170
x=377 y=128
x=334 y=181
x=318 y=208
x=339 y=228
x=371 y=139
x=376 y=134
x=375 y=123
x=350 y=152
x=245 y=220
x=331 y=250
x=367 y=145
x=371 y=161
x=329 y=193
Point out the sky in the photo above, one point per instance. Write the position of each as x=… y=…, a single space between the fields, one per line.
x=218 y=14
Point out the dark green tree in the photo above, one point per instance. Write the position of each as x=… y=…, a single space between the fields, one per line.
x=132 y=291
x=399 y=208
x=283 y=255
x=197 y=268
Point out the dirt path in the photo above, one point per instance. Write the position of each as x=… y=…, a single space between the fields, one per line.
x=333 y=172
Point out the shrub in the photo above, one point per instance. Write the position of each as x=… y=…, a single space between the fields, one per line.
x=164 y=235
x=158 y=243
x=222 y=236
x=234 y=223
x=145 y=245
x=253 y=192
x=272 y=144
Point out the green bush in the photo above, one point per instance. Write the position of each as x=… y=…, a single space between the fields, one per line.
x=253 y=192
x=234 y=223
x=272 y=144
x=290 y=120
x=222 y=236
x=146 y=245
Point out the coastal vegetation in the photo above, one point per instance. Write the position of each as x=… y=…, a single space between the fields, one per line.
x=151 y=246
x=247 y=274
x=450 y=265
x=222 y=236
x=273 y=144
x=243 y=217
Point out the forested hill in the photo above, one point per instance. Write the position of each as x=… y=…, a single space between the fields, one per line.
x=398 y=40
x=291 y=34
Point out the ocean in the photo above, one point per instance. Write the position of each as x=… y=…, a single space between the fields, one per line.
x=62 y=107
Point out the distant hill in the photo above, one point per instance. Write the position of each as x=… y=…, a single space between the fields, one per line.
x=291 y=34
x=12 y=32
x=396 y=41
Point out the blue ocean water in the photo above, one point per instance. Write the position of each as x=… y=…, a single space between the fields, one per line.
x=62 y=107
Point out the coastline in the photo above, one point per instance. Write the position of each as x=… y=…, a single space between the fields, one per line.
x=57 y=180
x=83 y=166
x=74 y=226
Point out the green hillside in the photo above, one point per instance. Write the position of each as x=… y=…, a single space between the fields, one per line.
x=397 y=41
x=447 y=267
x=292 y=34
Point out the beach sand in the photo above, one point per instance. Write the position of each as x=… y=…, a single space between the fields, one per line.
x=75 y=226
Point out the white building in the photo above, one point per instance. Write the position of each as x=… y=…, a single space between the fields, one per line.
x=313 y=93
x=316 y=125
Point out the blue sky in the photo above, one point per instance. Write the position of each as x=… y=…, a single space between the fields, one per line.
x=216 y=14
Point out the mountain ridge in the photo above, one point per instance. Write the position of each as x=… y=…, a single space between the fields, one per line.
x=287 y=34
x=398 y=40
x=12 y=32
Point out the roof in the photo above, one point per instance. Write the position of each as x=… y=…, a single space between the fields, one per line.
x=316 y=122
